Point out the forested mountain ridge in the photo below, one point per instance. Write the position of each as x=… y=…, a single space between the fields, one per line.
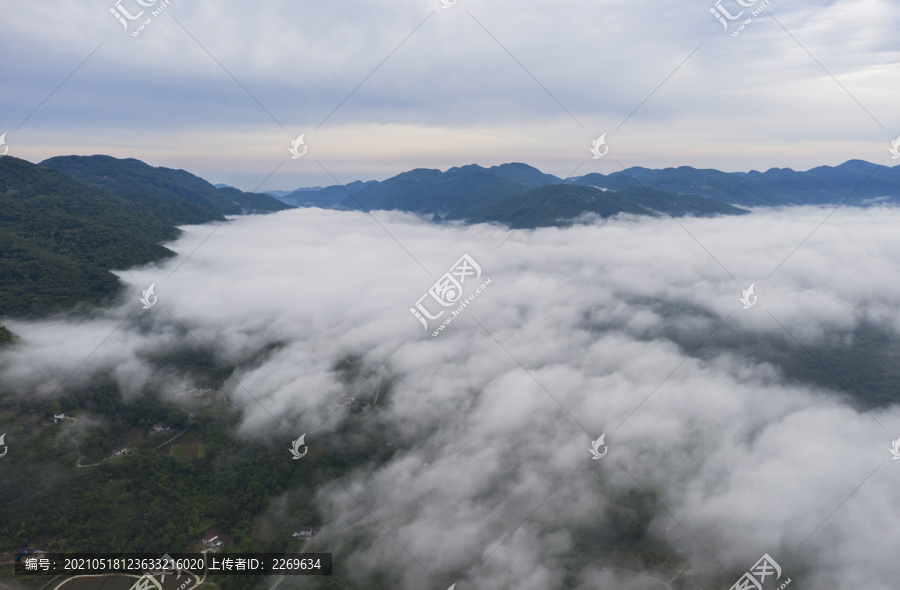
x=470 y=192
x=174 y=196
x=559 y=205
x=63 y=232
x=59 y=236
x=66 y=222
x=327 y=198
x=510 y=193
x=854 y=180
x=454 y=194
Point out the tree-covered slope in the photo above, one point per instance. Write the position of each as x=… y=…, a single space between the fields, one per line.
x=677 y=204
x=59 y=236
x=454 y=194
x=249 y=203
x=712 y=184
x=329 y=197
x=174 y=196
x=527 y=176
x=558 y=205
x=855 y=180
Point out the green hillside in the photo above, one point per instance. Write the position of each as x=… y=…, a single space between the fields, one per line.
x=677 y=204
x=453 y=194
x=558 y=205
x=174 y=196
x=508 y=194
x=59 y=236
x=855 y=181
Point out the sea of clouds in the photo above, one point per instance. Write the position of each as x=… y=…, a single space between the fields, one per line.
x=494 y=417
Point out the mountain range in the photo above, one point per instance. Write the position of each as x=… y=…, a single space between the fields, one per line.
x=64 y=223
x=856 y=181
x=173 y=196
x=513 y=194
x=499 y=194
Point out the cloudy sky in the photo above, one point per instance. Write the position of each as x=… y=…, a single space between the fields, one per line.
x=581 y=332
x=379 y=87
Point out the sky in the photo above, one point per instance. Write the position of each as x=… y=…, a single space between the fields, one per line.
x=624 y=327
x=221 y=89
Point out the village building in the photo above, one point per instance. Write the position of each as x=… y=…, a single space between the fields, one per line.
x=213 y=541
x=159 y=428
x=304 y=532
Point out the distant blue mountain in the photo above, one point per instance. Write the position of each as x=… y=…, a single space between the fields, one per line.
x=329 y=197
x=174 y=196
x=279 y=194
x=856 y=181
x=560 y=204
x=503 y=194
x=453 y=194
x=499 y=193
x=524 y=174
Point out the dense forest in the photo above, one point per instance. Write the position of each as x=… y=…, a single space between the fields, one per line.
x=175 y=197
x=151 y=498
x=559 y=205
x=60 y=236
x=66 y=223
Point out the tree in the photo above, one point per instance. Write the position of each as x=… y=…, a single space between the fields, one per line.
x=177 y=419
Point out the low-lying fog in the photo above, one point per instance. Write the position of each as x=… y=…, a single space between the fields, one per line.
x=629 y=327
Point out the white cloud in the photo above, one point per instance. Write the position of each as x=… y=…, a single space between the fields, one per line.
x=755 y=101
x=601 y=317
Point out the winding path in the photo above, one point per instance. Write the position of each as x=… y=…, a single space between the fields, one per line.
x=171 y=439
x=78 y=449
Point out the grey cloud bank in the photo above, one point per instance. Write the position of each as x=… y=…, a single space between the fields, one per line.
x=745 y=460
x=451 y=93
